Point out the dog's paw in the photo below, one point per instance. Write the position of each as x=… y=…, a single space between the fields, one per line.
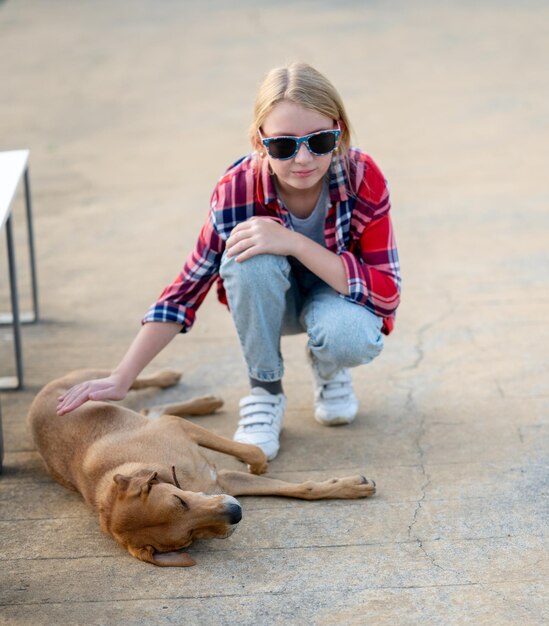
x=204 y=405
x=354 y=486
x=258 y=469
x=167 y=378
x=259 y=464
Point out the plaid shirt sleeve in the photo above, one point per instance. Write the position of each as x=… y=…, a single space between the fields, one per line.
x=372 y=267
x=179 y=301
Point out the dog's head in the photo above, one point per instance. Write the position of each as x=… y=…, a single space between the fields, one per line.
x=154 y=519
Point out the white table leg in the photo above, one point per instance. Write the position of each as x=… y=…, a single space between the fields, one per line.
x=13 y=382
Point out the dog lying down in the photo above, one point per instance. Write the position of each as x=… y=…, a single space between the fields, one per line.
x=148 y=479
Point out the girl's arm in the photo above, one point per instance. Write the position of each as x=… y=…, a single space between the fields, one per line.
x=173 y=312
x=150 y=340
x=260 y=235
x=320 y=261
x=374 y=275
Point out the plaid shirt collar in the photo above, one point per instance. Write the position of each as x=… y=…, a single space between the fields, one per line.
x=337 y=178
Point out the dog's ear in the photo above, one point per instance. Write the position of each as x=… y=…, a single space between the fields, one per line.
x=149 y=480
x=122 y=482
x=173 y=559
x=139 y=485
x=162 y=559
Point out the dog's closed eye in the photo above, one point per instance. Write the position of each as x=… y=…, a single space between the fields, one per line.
x=183 y=503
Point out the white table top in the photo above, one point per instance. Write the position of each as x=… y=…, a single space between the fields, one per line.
x=12 y=165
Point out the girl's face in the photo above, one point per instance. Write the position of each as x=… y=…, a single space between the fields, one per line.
x=305 y=170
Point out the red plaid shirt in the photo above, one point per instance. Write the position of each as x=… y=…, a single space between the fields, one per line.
x=358 y=228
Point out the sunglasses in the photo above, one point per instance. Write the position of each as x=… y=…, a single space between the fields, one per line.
x=284 y=148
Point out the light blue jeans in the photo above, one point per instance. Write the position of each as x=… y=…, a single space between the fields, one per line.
x=270 y=296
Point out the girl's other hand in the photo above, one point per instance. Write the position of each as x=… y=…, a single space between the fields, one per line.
x=260 y=235
x=110 y=388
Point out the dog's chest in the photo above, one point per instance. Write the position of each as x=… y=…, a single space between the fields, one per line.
x=202 y=478
x=210 y=469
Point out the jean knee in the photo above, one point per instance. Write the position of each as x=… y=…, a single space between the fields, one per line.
x=341 y=345
x=254 y=270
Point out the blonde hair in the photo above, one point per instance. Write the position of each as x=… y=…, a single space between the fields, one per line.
x=302 y=84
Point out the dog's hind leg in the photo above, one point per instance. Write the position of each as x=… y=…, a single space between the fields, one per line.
x=242 y=484
x=251 y=455
x=204 y=405
x=163 y=379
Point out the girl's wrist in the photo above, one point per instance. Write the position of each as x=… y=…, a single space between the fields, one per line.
x=123 y=378
x=296 y=244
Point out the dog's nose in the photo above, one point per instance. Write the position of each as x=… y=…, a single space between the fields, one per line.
x=234 y=512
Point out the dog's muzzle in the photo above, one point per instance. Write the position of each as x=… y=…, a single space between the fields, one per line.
x=233 y=510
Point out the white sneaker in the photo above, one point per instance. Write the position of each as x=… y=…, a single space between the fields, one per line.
x=335 y=401
x=261 y=417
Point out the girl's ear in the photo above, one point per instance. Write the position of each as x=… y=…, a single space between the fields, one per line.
x=256 y=144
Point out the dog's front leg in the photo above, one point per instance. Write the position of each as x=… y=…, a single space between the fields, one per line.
x=242 y=484
x=253 y=456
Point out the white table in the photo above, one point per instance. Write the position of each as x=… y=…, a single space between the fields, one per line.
x=14 y=168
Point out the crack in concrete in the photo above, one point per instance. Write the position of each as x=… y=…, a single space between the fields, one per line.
x=432 y=559
x=423 y=488
x=324 y=591
x=500 y=389
x=411 y=535
x=472 y=337
x=423 y=330
x=512 y=601
x=411 y=408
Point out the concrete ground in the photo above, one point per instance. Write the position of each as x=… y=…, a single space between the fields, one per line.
x=131 y=111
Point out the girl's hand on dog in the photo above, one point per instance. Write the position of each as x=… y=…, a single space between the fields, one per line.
x=110 y=388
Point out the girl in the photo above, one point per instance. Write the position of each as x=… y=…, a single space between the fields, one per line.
x=299 y=239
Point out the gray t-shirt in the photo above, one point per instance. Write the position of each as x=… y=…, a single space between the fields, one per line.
x=313 y=226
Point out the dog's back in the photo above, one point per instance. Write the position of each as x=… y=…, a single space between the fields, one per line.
x=64 y=440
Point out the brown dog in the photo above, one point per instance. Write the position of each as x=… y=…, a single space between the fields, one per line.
x=149 y=480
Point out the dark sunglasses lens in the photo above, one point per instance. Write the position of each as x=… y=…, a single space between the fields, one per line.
x=282 y=148
x=322 y=143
